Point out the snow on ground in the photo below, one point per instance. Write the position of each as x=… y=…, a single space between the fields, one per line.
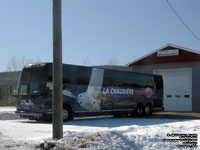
x=106 y=134
x=7 y=109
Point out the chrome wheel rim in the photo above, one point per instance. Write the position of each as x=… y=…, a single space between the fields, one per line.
x=147 y=110
x=139 y=111
x=65 y=114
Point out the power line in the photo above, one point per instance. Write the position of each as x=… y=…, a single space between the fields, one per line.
x=187 y=27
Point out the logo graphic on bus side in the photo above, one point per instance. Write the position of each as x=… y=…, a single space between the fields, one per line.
x=148 y=92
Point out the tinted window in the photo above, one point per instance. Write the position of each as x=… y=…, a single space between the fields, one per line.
x=33 y=80
x=76 y=74
x=127 y=79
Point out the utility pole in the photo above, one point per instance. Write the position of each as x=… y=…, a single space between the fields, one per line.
x=57 y=104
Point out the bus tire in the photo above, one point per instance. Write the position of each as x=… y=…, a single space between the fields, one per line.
x=148 y=110
x=117 y=115
x=140 y=110
x=67 y=113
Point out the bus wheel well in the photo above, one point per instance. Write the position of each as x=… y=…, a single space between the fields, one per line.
x=140 y=110
x=69 y=111
x=67 y=106
x=140 y=104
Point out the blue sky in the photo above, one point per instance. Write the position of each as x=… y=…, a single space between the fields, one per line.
x=96 y=30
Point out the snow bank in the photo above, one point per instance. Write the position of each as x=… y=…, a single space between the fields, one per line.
x=143 y=134
x=104 y=134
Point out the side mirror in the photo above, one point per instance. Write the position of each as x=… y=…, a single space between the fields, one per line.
x=49 y=88
x=48 y=91
x=12 y=92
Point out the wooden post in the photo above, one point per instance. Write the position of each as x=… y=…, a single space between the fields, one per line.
x=57 y=72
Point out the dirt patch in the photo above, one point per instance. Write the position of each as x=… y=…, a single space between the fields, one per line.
x=176 y=115
x=8 y=116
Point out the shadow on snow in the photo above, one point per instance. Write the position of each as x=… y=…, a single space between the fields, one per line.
x=108 y=121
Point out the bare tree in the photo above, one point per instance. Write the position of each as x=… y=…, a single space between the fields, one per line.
x=85 y=62
x=113 y=61
x=16 y=64
x=12 y=64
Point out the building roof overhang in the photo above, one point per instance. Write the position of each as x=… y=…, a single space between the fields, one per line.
x=163 y=48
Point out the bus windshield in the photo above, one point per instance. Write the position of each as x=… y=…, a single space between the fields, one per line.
x=33 y=81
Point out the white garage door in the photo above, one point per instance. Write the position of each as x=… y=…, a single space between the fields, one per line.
x=177 y=89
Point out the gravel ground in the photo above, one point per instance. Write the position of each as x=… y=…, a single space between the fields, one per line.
x=8 y=116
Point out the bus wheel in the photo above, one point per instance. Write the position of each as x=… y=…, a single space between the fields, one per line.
x=67 y=114
x=140 y=110
x=148 y=110
x=117 y=115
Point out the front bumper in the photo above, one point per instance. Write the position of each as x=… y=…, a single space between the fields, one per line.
x=37 y=115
